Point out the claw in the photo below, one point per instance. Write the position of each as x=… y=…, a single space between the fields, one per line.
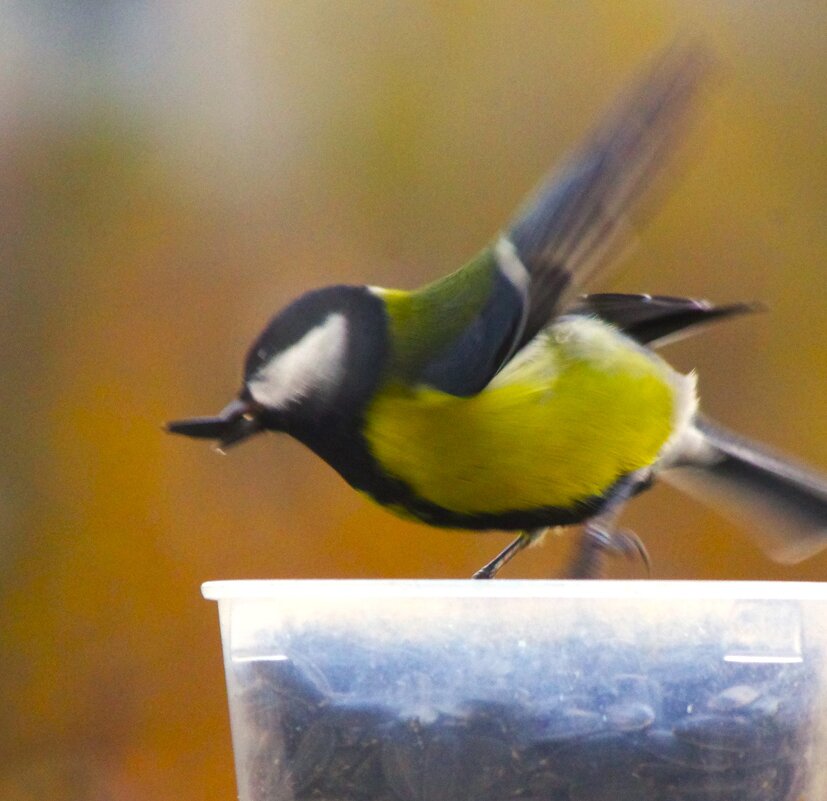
x=626 y=543
x=600 y=541
x=484 y=573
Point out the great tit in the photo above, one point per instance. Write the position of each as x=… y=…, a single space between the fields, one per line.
x=496 y=398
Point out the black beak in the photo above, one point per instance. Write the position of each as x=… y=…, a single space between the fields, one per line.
x=233 y=424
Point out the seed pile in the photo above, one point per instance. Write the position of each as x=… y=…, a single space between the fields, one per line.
x=560 y=722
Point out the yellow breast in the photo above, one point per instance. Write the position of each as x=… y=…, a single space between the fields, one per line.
x=579 y=407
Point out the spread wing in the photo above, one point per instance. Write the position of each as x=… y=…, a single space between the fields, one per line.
x=568 y=232
x=656 y=319
x=582 y=218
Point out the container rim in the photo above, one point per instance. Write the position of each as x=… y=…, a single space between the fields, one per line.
x=633 y=589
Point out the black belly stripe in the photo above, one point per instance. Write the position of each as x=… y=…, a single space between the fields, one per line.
x=343 y=447
x=510 y=520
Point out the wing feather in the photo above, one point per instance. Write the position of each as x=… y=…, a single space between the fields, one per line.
x=582 y=216
x=657 y=319
x=456 y=333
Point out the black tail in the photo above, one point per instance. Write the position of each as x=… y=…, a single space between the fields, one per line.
x=785 y=504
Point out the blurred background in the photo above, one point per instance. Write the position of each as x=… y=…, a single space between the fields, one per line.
x=173 y=173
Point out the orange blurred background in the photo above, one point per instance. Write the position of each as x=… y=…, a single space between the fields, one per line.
x=173 y=173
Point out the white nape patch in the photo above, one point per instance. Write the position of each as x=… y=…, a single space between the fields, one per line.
x=312 y=366
x=511 y=266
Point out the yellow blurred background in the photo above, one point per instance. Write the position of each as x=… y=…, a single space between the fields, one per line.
x=173 y=173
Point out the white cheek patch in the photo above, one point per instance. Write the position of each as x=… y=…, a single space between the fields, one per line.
x=313 y=366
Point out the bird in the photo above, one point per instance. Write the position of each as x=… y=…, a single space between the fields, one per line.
x=501 y=397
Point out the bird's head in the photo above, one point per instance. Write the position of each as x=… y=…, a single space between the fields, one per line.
x=315 y=364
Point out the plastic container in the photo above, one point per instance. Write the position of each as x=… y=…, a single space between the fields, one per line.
x=553 y=690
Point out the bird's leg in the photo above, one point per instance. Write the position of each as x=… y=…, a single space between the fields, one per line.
x=509 y=552
x=601 y=538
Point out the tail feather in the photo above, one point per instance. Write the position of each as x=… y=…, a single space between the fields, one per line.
x=785 y=504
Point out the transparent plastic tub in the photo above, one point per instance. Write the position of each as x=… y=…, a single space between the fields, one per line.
x=553 y=690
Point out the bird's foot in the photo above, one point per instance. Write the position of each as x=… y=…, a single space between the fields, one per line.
x=486 y=572
x=599 y=542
